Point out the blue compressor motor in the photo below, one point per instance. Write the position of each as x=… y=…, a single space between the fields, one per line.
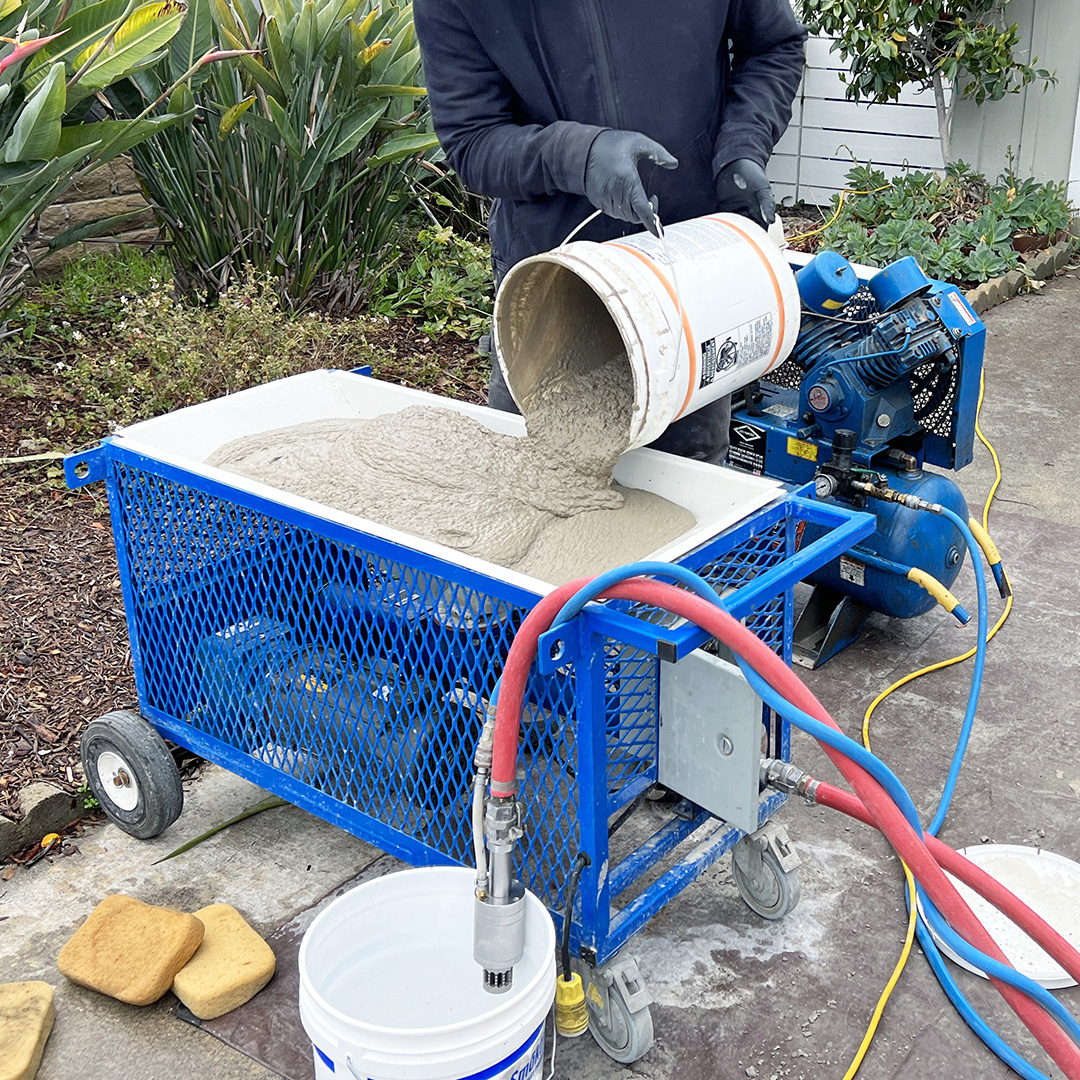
x=883 y=381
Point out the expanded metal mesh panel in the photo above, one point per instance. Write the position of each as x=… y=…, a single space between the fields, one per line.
x=631 y=703
x=365 y=677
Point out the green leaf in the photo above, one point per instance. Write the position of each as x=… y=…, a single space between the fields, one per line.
x=192 y=41
x=233 y=114
x=100 y=227
x=37 y=130
x=181 y=100
x=304 y=36
x=114 y=136
x=285 y=128
x=20 y=171
x=80 y=30
x=354 y=129
x=226 y=25
x=147 y=28
x=258 y=808
x=279 y=55
x=330 y=14
x=387 y=90
x=269 y=83
x=399 y=147
x=311 y=168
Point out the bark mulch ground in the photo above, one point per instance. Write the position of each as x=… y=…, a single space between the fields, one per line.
x=64 y=656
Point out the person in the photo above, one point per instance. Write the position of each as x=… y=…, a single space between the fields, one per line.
x=554 y=107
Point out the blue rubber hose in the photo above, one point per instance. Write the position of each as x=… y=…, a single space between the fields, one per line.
x=837 y=741
x=993 y=1041
x=976 y=676
x=996 y=969
x=968 y=1013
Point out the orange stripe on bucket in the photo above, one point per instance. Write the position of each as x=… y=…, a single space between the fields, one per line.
x=690 y=347
x=772 y=274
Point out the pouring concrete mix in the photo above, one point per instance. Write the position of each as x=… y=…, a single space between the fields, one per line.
x=544 y=505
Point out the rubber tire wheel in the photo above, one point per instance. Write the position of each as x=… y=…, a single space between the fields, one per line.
x=784 y=891
x=635 y=1030
x=161 y=796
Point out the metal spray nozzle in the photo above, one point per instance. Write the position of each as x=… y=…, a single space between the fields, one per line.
x=499 y=912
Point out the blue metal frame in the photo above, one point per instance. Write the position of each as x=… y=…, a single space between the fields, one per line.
x=203 y=562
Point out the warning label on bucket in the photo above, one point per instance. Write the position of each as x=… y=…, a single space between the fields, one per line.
x=755 y=339
x=747 y=449
x=717 y=356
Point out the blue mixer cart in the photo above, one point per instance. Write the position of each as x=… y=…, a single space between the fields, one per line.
x=346 y=668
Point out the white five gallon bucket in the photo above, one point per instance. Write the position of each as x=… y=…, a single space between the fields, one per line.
x=389 y=989
x=723 y=315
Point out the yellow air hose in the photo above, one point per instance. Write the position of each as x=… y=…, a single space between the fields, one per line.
x=990 y=550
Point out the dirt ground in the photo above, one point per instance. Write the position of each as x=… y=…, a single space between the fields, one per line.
x=64 y=654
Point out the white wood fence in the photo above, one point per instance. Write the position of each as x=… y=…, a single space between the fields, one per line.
x=828 y=133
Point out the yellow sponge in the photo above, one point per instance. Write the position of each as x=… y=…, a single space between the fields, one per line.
x=130 y=950
x=230 y=967
x=26 y=1018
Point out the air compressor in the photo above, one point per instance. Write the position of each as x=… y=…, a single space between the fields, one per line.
x=883 y=382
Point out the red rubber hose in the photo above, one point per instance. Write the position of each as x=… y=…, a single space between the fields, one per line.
x=886 y=814
x=1033 y=924
x=515 y=677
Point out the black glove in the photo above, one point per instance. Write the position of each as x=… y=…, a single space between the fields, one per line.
x=743 y=188
x=612 y=181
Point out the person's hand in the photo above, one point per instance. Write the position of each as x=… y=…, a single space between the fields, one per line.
x=743 y=188
x=612 y=181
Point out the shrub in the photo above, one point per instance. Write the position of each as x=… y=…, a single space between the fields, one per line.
x=442 y=280
x=925 y=42
x=960 y=227
x=165 y=353
x=55 y=57
x=141 y=353
x=301 y=161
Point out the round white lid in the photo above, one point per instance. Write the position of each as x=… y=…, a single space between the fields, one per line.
x=1049 y=884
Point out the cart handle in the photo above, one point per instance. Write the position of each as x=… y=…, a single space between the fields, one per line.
x=85 y=467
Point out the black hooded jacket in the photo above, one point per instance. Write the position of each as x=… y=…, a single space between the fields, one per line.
x=519 y=90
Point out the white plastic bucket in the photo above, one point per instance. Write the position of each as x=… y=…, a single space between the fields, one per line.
x=389 y=989
x=739 y=315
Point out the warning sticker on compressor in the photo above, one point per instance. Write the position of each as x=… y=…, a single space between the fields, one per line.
x=852 y=570
x=747 y=449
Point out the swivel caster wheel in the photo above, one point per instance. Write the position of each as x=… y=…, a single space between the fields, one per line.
x=618 y=1004
x=132 y=774
x=764 y=866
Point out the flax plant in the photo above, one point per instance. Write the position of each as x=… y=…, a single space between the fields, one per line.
x=301 y=155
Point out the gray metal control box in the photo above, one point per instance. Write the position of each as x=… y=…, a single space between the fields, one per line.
x=711 y=735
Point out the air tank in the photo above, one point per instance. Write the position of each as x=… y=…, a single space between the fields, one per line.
x=908 y=537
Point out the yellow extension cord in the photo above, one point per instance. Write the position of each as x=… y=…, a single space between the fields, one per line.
x=857 y=1060
x=839 y=206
